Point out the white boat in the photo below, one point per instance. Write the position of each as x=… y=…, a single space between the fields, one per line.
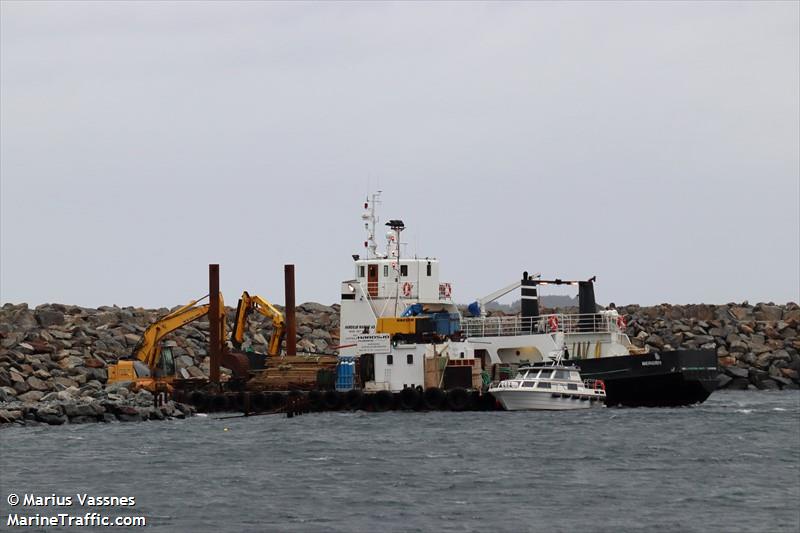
x=553 y=387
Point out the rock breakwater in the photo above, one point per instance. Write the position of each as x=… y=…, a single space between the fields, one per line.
x=53 y=358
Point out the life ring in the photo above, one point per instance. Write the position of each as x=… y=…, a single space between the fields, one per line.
x=552 y=321
x=407 y=289
x=447 y=291
x=621 y=322
x=599 y=384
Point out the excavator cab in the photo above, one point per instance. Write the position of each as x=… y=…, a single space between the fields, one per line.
x=166 y=365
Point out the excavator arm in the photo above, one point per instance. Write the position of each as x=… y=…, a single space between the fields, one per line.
x=148 y=350
x=247 y=304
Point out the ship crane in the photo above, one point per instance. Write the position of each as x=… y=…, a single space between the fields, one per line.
x=478 y=307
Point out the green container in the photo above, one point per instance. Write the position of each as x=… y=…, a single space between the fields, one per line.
x=326 y=379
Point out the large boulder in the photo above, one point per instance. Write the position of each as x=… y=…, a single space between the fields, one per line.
x=47 y=316
x=31 y=396
x=768 y=312
x=37 y=384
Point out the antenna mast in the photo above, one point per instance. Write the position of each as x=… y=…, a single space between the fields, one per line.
x=394 y=251
x=370 y=221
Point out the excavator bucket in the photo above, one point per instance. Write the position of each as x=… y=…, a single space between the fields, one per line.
x=238 y=363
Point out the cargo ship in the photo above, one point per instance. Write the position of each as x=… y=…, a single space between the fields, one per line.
x=402 y=329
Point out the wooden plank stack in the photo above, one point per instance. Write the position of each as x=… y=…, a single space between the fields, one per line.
x=291 y=372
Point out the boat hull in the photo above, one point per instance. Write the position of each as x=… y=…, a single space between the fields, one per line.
x=527 y=400
x=658 y=379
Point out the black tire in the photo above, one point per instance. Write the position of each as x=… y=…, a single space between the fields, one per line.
x=367 y=402
x=409 y=399
x=332 y=400
x=236 y=400
x=474 y=400
x=383 y=401
x=258 y=402
x=433 y=398
x=353 y=399
x=486 y=402
x=277 y=400
x=315 y=400
x=458 y=399
x=219 y=402
x=199 y=400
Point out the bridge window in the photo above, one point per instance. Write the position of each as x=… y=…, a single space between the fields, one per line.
x=385 y=271
x=390 y=359
x=543 y=385
x=429 y=270
x=410 y=359
x=404 y=270
x=361 y=271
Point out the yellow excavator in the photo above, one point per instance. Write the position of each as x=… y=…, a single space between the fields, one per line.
x=248 y=304
x=152 y=366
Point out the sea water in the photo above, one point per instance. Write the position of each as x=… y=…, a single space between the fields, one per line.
x=730 y=464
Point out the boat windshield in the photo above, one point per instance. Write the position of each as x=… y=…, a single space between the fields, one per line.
x=547 y=374
x=562 y=374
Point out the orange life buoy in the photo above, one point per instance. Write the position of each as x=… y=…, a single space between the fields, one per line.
x=552 y=321
x=599 y=384
x=447 y=291
x=621 y=322
x=407 y=289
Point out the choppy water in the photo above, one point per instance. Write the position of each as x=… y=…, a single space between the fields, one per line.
x=731 y=464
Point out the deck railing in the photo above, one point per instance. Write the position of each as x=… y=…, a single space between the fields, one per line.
x=515 y=325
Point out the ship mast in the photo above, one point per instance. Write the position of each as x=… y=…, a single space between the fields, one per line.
x=394 y=252
x=371 y=219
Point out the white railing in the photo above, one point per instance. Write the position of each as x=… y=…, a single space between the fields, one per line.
x=515 y=325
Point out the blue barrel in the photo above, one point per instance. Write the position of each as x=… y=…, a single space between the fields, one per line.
x=345 y=373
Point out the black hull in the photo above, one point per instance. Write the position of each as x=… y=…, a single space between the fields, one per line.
x=658 y=379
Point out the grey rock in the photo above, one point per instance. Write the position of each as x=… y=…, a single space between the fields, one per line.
x=739 y=384
x=324 y=335
x=37 y=384
x=5 y=396
x=768 y=312
x=49 y=317
x=737 y=372
x=64 y=382
x=30 y=397
x=9 y=416
x=184 y=361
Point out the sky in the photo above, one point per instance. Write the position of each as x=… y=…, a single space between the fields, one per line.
x=654 y=145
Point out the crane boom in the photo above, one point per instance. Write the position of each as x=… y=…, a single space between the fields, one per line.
x=481 y=303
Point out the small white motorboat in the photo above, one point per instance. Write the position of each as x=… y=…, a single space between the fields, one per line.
x=552 y=387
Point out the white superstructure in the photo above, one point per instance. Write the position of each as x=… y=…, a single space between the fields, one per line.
x=386 y=284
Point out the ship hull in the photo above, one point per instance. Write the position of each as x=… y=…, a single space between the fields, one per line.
x=658 y=379
x=528 y=400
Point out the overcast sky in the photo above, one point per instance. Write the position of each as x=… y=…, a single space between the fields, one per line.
x=653 y=145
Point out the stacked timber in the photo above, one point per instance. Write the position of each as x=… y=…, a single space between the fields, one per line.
x=434 y=370
x=299 y=372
